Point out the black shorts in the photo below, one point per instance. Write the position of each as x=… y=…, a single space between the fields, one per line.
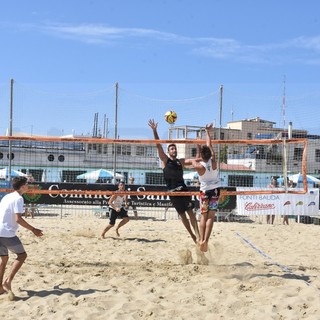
x=114 y=215
x=182 y=204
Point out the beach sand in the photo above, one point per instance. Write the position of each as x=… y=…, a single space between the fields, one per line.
x=154 y=271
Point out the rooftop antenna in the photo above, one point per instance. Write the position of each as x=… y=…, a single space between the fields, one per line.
x=105 y=126
x=95 y=125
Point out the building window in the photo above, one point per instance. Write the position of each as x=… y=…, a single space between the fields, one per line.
x=193 y=152
x=1 y=155
x=97 y=147
x=36 y=173
x=140 y=151
x=126 y=150
x=51 y=157
x=297 y=154
x=151 y=151
x=61 y=158
x=12 y=156
x=249 y=135
x=317 y=155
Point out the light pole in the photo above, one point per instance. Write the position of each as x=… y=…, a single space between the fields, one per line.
x=10 y=128
x=220 y=125
x=115 y=136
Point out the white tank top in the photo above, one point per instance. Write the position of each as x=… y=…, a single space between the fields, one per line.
x=210 y=179
x=118 y=201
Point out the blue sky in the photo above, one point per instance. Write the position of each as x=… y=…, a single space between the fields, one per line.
x=66 y=56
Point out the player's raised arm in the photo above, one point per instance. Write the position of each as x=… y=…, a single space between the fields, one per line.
x=208 y=142
x=153 y=125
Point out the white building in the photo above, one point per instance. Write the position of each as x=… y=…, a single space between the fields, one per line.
x=244 y=165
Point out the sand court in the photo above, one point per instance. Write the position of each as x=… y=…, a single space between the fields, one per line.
x=154 y=271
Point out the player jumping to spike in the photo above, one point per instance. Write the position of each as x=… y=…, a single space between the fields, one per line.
x=173 y=176
x=209 y=188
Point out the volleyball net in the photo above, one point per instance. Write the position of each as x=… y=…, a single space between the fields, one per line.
x=78 y=164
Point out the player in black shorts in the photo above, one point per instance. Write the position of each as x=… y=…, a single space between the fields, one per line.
x=173 y=176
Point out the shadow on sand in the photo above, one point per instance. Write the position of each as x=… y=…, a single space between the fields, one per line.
x=57 y=291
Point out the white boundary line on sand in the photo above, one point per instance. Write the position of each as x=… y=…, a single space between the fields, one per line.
x=282 y=267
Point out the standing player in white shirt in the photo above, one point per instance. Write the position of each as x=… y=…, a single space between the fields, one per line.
x=11 y=211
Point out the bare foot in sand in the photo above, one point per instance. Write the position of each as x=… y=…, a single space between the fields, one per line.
x=6 y=285
x=204 y=246
x=117 y=232
x=11 y=296
x=102 y=237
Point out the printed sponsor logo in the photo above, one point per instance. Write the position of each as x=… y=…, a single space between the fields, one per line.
x=254 y=206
